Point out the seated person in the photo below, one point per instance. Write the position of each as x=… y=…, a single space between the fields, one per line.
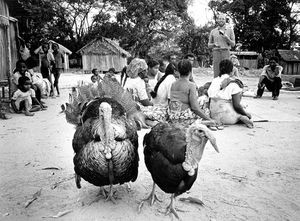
x=270 y=78
x=21 y=70
x=95 y=73
x=111 y=74
x=225 y=103
x=43 y=84
x=161 y=93
x=94 y=80
x=235 y=71
x=203 y=98
x=184 y=107
x=23 y=97
x=136 y=72
x=153 y=73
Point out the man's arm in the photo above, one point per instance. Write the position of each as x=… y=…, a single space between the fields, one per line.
x=280 y=68
x=211 y=43
x=230 y=39
x=14 y=107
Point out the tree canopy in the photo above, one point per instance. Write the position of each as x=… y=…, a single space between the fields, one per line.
x=152 y=26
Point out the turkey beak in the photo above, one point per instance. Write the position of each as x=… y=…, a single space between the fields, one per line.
x=211 y=138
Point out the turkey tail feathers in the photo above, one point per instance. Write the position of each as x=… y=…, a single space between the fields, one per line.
x=114 y=90
x=84 y=93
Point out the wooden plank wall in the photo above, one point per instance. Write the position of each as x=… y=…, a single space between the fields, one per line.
x=4 y=52
x=103 y=62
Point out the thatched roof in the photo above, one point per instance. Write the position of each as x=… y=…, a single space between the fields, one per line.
x=103 y=46
x=248 y=53
x=62 y=48
x=290 y=55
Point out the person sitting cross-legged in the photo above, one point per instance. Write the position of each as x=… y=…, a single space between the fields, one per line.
x=225 y=99
x=270 y=78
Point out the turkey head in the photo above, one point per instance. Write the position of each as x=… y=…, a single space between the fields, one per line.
x=197 y=136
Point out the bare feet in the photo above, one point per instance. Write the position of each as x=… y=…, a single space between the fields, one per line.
x=29 y=114
x=246 y=121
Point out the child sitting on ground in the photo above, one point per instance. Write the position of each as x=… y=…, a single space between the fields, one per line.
x=37 y=79
x=95 y=73
x=111 y=74
x=23 y=97
x=94 y=80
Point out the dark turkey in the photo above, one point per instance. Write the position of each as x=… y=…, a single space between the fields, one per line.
x=172 y=154
x=105 y=141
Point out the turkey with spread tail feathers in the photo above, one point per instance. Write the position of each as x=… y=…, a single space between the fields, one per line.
x=105 y=141
x=172 y=154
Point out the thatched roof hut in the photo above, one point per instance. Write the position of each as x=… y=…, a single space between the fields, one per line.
x=103 y=54
x=290 y=61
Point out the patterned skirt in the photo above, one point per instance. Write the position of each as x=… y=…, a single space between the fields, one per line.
x=223 y=112
x=155 y=113
x=176 y=115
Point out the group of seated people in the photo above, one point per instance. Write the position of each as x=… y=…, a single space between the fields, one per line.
x=30 y=88
x=173 y=95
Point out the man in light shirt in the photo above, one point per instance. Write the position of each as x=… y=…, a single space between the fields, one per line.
x=221 y=39
x=270 y=78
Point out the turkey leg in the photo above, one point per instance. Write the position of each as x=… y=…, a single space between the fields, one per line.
x=171 y=208
x=77 y=181
x=152 y=198
x=111 y=195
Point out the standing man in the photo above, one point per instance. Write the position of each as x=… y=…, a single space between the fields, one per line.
x=221 y=39
x=59 y=60
x=270 y=78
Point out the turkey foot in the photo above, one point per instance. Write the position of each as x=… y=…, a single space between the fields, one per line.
x=171 y=209
x=128 y=187
x=111 y=195
x=102 y=192
x=192 y=200
x=77 y=181
x=152 y=198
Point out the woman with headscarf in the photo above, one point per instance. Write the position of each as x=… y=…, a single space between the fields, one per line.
x=137 y=72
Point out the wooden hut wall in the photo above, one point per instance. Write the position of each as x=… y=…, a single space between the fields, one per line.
x=290 y=68
x=13 y=27
x=4 y=44
x=66 y=64
x=103 y=62
x=248 y=61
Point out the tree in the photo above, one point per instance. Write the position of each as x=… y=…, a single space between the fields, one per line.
x=148 y=22
x=195 y=40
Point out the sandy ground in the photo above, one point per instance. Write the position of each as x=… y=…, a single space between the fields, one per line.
x=256 y=176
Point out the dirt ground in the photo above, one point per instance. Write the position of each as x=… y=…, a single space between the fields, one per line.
x=256 y=175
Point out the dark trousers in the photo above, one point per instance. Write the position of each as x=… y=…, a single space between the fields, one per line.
x=273 y=86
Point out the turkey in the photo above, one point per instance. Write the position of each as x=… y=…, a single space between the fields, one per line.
x=172 y=154
x=105 y=141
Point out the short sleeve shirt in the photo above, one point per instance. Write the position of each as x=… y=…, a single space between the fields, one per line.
x=138 y=88
x=17 y=75
x=228 y=91
x=218 y=39
x=164 y=91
